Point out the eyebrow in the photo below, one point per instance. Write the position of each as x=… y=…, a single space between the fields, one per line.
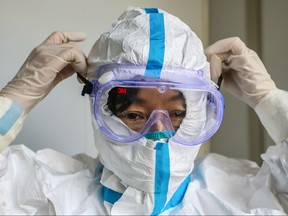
x=179 y=96
x=140 y=101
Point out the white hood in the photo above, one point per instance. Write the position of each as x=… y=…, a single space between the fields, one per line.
x=147 y=177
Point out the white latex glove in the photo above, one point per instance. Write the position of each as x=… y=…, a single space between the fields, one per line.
x=245 y=76
x=49 y=63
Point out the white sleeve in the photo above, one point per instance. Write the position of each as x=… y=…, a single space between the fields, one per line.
x=276 y=158
x=11 y=121
x=273 y=113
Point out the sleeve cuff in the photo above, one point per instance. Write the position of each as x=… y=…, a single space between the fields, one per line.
x=273 y=113
x=11 y=121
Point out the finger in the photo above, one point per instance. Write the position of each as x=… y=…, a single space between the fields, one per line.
x=65 y=73
x=74 y=56
x=226 y=47
x=238 y=47
x=80 y=64
x=65 y=37
x=215 y=67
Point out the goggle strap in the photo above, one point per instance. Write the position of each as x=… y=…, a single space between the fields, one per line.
x=88 y=86
x=219 y=82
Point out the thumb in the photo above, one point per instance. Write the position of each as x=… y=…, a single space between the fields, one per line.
x=65 y=37
x=215 y=67
x=225 y=48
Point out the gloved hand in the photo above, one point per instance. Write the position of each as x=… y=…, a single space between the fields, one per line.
x=49 y=63
x=245 y=76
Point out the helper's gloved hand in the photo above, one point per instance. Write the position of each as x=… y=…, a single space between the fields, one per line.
x=49 y=63
x=245 y=76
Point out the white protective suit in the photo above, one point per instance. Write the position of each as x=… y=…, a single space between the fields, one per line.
x=147 y=178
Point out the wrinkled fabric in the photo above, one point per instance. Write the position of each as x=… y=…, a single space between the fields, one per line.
x=140 y=171
x=272 y=112
x=127 y=42
x=48 y=182
x=149 y=177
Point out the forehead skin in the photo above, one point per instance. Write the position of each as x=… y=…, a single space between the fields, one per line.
x=152 y=99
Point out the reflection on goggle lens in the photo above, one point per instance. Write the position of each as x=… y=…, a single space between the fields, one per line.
x=135 y=105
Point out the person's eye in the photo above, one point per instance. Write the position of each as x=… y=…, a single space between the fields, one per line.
x=132 y=116
x=179 y=113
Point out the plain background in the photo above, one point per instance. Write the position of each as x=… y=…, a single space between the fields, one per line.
x=62 y=121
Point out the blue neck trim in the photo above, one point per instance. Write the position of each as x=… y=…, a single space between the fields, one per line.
x=110 y=196
x=178 y=195
x=162 y=177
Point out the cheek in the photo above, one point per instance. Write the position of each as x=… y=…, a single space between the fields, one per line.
x=135 y=126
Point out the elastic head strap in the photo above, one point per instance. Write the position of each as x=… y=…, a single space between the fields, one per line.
x=88 y=86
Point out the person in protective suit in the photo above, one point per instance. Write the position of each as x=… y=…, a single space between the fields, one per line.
x=153 y=103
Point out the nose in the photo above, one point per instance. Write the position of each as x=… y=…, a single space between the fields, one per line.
x=161 y=121
x=157 y=126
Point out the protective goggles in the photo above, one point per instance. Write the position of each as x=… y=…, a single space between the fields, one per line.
x=185 y=106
